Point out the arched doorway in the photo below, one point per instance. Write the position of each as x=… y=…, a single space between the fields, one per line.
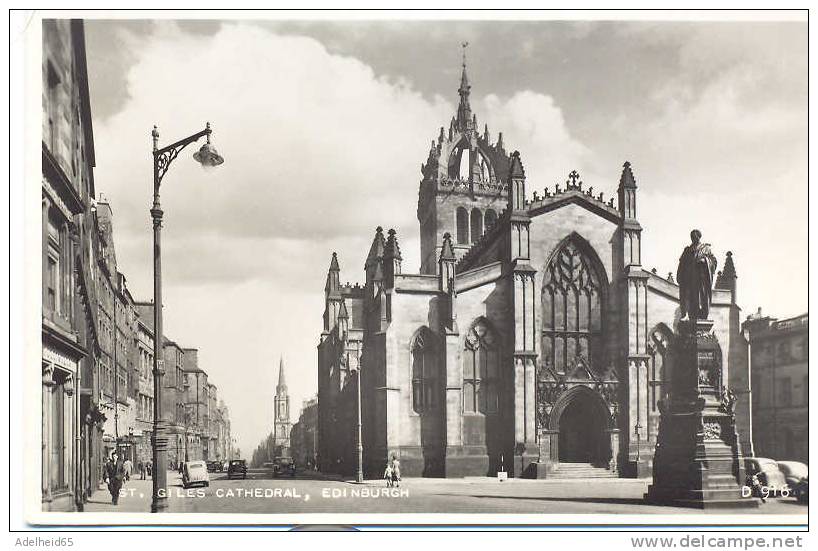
x=584 y=426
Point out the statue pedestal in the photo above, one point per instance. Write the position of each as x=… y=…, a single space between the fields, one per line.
x=698 y=461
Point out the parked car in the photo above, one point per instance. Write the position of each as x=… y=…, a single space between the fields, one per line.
x=797 y=475
x=195 y=472
x=769 y=476
x=283 y=465
x=794 y=471
x=237 y=468
x=801 y=491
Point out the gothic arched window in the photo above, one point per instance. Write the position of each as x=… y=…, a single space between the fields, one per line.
x=462 y=226
x=491 y=219
x=425 y=372
x=476 y=224
x=571 y=309
x=481 y=370
x=660 y=366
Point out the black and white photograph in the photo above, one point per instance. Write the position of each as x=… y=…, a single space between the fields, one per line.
x=413 y=268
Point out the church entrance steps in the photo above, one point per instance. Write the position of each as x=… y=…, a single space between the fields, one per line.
x=581 y=470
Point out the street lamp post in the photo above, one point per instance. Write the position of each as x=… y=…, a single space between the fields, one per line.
x=162 y=158
x=359 y=473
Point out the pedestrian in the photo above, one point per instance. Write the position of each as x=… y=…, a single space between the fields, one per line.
x=140 y=467
x=757 y=488
x=113 y=474
x=395 y=470
x=387 y=474
x=149 y=468
x=127 y=465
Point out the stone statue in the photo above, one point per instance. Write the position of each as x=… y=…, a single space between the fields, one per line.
x=695 y=276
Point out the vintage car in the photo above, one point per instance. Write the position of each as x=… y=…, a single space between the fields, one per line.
x=794 y=471
x=283 y=465
x=213 y=466
x=237 y=468
x=770 y=478
x=195 y=472
x=797 y=476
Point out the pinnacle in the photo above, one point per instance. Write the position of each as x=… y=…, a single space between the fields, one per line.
x=392 y=248
x=447 y=252
x=333 y=265
x=627 y=180
x=516 y=170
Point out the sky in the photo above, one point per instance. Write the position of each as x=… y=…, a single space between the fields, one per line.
x=324 y=125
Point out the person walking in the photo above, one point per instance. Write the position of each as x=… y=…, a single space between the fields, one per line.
x=113 y=475
x=395 y=470
x=127 y=465
x=140 y=467
x=149 y=469
x=387 y=474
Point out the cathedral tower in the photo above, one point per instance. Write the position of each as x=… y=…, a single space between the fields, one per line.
x=281 y=415
x=463 y=190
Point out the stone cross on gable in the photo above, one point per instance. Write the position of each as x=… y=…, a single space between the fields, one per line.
x=572 y=180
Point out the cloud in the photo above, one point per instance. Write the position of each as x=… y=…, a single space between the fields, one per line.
x=318 y=150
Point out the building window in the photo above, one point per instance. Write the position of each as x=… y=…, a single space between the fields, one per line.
x=54 y=265
x=660 y=366
x=805 y=390
x=425 y=372
x=784 y=392
x=462 y=226
x=476 y=224
x=571 y=310
x=491 y=219
x=481 y=370
x=784 y=352
x=58 y=479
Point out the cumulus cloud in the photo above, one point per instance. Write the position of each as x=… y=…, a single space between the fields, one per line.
x=318 y=151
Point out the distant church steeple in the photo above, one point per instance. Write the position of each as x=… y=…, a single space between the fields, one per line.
x=281 y=414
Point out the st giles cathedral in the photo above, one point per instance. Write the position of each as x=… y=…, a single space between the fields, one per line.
x=532 y=340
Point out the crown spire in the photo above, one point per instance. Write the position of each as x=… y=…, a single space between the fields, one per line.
x=464 y=109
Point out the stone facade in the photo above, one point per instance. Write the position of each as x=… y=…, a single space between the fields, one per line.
x=71 y=419
x=532 y=336
x=144 y=400
x=779 y=353
x=304 y=435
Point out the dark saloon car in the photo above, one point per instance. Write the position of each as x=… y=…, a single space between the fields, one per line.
x=237 y=468
x=797 y=477
x=283 y=465
x=213 y=466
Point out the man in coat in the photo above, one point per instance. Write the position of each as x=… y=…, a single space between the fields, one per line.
x=114 y=473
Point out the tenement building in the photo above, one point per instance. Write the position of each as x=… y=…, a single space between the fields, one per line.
x=532 y=340
x=779 y=351
x=71 y=419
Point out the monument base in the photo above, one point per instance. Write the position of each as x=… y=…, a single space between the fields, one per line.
x=698 y=461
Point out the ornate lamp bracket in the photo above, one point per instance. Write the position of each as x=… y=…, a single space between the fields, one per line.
x=162 y=158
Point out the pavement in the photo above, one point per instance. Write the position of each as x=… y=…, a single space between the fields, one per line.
x=316 y=493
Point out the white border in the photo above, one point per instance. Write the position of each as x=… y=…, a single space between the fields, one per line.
x=29 y=464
